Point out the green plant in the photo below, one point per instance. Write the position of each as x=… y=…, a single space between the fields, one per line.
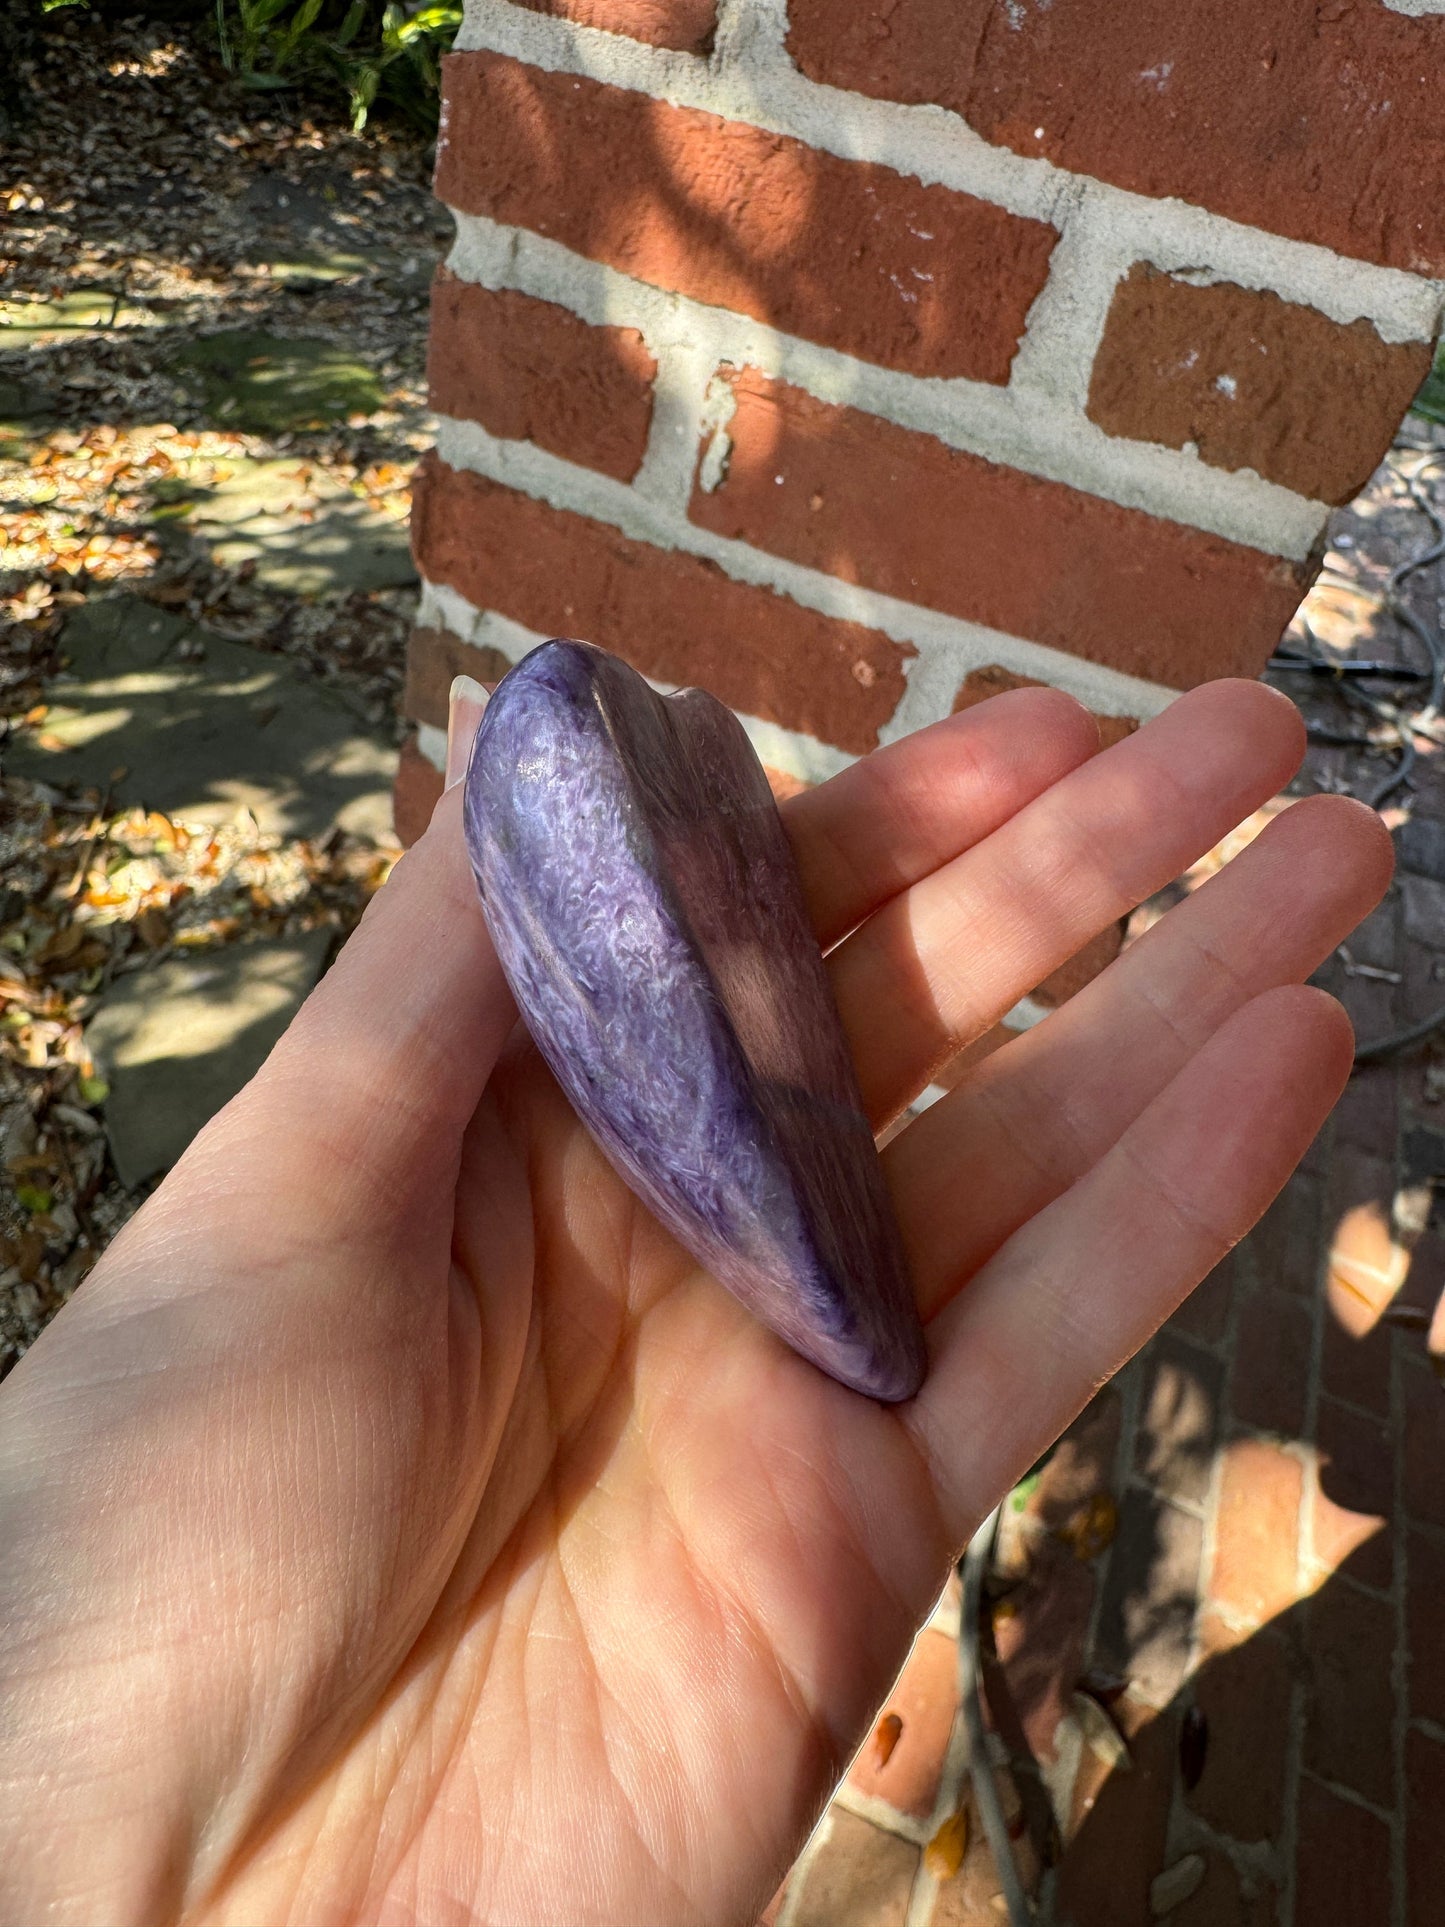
x=1430 y=401
x=371 y=50
x=262 y=49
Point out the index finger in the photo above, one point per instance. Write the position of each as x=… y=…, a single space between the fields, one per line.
x=892 y=818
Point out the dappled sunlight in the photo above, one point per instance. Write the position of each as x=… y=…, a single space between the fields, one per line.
x=1335 y=1532
x=1367 y=1268
x=212 y=344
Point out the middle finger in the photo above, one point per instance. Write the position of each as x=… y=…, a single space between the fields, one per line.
x=940 y=964
x=1036 y=1116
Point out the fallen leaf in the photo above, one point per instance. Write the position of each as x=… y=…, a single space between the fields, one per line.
x=31 y=1255
x=943 y=1856
x=886 y=1736
x=66 y=941
x=1090 y=1529
x=33 y=1198
x=153 y=928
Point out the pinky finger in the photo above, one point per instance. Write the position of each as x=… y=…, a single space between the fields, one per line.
x=1075 y=1292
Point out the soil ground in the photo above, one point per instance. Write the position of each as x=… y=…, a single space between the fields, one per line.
x=213 y=315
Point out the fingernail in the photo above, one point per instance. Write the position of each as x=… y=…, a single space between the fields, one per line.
x=464 y=718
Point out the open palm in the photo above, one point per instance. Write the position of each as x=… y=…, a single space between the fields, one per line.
x=400 y=1528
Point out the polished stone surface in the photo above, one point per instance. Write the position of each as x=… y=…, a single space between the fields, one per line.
x=644 y=902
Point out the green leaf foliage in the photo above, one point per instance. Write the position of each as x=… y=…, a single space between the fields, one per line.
x=1430 y=402
x=374 y=51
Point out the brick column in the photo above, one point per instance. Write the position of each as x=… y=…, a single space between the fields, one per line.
x=856 y=360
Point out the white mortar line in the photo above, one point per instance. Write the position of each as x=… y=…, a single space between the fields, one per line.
x=444 y=608
x=1055 y=359
x=1037 y=425
x=881 y=1814
x=679 y=407
x=432 y=742
x=750 y=78
x=798 y=1874
x=948 y=646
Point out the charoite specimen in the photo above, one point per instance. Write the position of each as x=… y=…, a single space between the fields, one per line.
x=644 y=903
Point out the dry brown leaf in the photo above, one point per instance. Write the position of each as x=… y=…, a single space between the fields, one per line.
x=943 y=1856
x=30 y=1254
x=153 y=928
x=1090 y=1529
x=886 y=1736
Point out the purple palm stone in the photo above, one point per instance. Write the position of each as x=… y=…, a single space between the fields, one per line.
x=645 y=906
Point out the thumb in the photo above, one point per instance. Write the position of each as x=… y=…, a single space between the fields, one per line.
x=402 y=1033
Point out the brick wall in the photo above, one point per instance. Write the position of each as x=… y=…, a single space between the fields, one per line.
x=852 y=359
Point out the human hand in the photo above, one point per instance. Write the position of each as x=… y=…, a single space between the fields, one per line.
x=400 y=1528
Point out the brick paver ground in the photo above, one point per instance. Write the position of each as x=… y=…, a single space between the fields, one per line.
x=1219 y=1613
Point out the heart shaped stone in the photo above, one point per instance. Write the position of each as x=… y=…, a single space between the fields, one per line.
x=644 y=903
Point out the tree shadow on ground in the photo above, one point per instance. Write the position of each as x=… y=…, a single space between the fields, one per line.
x=1263 y=1630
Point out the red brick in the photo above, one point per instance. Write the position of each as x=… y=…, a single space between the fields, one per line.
x=1356 y=1366
x=1041 y=1643
x=674 y=617
x=687 y=26
x=531 y=371
x=1367 y=1116
x=1204 y=1314
x=1376 y=940
x=1223 y=1899
x=1180 y=1419
x=1109 y=1864
x=994 y=680
x=1146 y=1619
x=414 y=794
x=1370 y=1004
x=846 y=253
x=969 y=1898
x=1244 y=1694
x=899 y=512
x=1423 y=901
x=1320 y=122
x=1253 y=381
x=860 y=1877
x=1424 y=1836
x=1081 y=1466
x=1349 y=1646
x=1257 y=1532
x=1424 y=1444
x=1367 y=1261
x=923 y=1700
x=1423 y=1288
x=1357 y=1481
x=1272 y=1363
x=1425 y=1557
x=1342 y=1861
x=1316 y=1160
x=434 y=658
